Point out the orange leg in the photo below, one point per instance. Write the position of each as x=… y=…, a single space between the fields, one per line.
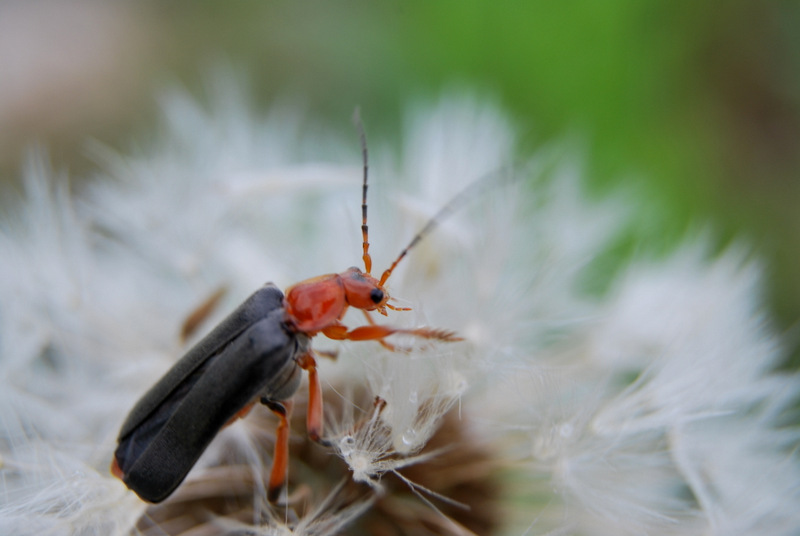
x=377 y=332
x=280 y=460
x=330 y=354
x=337 y=332
x=314 y=415
x=389 y=346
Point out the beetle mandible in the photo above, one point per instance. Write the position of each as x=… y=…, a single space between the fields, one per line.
x=256 y=354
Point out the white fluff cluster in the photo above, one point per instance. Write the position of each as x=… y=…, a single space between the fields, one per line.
x=650 y=410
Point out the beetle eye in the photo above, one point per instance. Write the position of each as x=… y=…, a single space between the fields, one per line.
x=376 y=295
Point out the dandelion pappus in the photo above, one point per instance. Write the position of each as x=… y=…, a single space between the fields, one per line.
x=257 y=354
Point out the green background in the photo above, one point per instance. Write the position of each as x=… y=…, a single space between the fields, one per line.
x=695 y=105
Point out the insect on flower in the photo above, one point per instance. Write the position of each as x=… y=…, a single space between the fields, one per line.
x=256 y=354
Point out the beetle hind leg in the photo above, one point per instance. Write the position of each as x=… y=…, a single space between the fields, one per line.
x=280 y=460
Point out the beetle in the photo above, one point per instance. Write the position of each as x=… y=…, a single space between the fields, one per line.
x=255 y=354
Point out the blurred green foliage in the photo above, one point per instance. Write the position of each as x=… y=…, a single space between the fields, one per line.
x=695 y=105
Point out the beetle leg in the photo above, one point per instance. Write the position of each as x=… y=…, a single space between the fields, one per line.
x=280 y=460
x=378 y=332
x=335 y=331
x=389 y=346
x=330 y=354
x=314 y=416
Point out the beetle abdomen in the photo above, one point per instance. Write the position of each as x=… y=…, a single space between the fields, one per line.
x=256 y=307
x=156 y=451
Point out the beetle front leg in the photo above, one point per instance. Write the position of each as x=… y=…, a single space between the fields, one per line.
x=389 y=346
x=280 y=460
x=379 y=332
x=376 y=332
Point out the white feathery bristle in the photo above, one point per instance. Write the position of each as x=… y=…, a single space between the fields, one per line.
x=651 y=409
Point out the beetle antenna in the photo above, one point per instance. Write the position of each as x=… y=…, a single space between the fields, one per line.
x=458 y=201
x=364 y=226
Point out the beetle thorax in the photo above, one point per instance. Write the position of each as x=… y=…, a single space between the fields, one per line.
x=317 y=303
x=314 y=304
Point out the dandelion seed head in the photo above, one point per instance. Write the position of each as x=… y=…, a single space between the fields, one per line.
x=652 y=409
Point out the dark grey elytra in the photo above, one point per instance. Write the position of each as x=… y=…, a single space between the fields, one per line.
x=249 y=355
